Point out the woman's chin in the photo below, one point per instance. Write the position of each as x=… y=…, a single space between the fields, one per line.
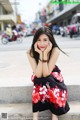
x=42 y=49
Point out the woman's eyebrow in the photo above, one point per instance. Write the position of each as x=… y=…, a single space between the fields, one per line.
x=38 y=38
x=45 y=38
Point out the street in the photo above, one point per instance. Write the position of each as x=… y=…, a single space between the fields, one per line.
x=63 y=42
x=15 y=69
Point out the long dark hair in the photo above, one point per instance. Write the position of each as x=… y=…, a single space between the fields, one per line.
x=47 y=31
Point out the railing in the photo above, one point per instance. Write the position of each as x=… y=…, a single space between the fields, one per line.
x=8 y=17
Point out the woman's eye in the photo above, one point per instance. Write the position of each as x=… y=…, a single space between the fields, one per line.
x=45 y=39
x=38 y=40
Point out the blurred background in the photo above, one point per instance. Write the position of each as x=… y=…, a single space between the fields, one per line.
x=28 y=16
x=19 y=20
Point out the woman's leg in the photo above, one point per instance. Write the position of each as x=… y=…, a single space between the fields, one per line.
x=54 y=117
x=35 y=116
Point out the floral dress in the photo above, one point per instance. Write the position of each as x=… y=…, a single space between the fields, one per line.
x=50 y=93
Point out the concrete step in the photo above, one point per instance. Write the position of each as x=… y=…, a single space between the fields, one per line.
x=24 y=112
x=15 y=76
x=22 y=94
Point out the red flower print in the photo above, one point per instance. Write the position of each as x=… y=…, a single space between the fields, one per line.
x=43 y=93
x=33 y=77
x=57 y=96
x=36 y=89
x=43 y=90
x=61 y=98
x=58 y=76
x=35 y=97
x=51 y=96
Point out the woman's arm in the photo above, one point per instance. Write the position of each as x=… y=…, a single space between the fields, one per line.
x=37 y=68
x=48 y=67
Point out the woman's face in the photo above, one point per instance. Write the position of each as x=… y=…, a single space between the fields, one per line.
x=43 y=42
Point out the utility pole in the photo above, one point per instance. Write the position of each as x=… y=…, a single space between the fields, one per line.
x=16 y=10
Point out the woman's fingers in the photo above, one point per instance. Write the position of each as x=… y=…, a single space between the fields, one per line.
x=36 y=48
x=49 y=47
x=35 y=45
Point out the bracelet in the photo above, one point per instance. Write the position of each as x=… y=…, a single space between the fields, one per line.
x=43 y=60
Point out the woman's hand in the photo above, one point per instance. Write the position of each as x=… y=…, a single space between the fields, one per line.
x=37 y=49
x=49 y=47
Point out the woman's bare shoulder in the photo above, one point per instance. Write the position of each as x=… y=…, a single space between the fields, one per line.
x=30 y=57
x=31 y=60
x=28 y=51
x=56 y=49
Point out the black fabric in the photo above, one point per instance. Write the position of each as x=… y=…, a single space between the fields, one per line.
x=45 y=105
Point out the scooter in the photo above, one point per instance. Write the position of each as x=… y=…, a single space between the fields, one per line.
x=5 y=38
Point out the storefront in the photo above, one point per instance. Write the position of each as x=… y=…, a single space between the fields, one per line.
x=63 y=18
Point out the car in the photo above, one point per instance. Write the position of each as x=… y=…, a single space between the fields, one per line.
x=74 y=27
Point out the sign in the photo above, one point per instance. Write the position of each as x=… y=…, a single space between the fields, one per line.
x=18 y=19
x=65 y=1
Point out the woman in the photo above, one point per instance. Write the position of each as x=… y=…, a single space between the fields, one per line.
x=49 y=90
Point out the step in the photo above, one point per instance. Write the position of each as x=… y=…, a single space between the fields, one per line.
x=23 y=94
x=24 y=112
x=15 y=76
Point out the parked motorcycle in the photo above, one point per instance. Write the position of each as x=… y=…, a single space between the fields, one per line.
x=5 y=38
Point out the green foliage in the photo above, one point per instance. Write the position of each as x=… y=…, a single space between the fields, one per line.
x=64 y=1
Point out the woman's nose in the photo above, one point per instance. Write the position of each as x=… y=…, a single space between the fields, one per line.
x=42 y=43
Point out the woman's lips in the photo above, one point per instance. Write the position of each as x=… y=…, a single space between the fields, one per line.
x=42 y=47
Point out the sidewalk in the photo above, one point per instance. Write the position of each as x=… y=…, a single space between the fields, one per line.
x=16 y=85
x=15 y=69
x=24 y=112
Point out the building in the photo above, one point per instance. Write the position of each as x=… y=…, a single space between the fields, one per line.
x=61 y=14
x=43 y=15
x=7 y=13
